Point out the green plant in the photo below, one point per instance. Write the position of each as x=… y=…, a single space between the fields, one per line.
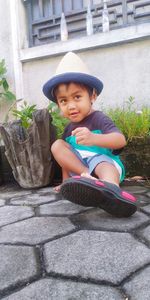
x=5 y=93
x=6 y=96
x=25 y=114
x=133 y=123
x=58 y=121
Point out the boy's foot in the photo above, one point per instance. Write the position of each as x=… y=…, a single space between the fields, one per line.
x=96 y=193
x=57 y=188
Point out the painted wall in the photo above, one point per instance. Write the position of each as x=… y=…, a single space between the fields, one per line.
x=124 y=70
x=6 y=48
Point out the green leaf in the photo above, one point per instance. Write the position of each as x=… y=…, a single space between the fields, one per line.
x=9 y=96
x=5 y=85
x=2 y=68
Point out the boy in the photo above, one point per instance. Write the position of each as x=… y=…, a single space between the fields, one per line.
x=88 y=143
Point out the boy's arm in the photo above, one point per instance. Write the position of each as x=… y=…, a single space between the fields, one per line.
x=113 y=140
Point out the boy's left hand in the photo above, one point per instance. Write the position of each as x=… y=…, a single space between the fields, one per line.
x=83 y=136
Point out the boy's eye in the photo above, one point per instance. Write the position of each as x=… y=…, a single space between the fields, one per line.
x=77 y=96
x=62 y=101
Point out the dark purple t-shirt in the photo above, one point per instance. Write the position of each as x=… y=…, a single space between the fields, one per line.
x=97 y=120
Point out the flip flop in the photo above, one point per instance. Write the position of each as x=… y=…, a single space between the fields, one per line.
x=97 y=193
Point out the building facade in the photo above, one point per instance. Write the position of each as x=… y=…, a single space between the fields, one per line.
x=30 y=43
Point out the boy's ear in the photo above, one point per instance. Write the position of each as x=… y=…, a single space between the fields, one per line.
x=94 y=96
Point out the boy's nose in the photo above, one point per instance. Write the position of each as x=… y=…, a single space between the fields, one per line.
x=71 y=105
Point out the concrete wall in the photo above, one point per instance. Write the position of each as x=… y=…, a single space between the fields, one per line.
x=6 y=49
x=120 y=58
x=124 y=70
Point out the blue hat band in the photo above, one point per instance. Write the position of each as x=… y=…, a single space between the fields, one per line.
x=82 y=78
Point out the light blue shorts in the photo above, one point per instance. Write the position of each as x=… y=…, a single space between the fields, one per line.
x=92 y=161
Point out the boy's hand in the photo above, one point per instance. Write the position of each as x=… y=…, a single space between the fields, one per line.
x=83 y=136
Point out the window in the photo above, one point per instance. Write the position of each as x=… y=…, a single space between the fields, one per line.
x=44 y=17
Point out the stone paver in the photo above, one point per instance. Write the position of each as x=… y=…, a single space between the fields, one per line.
x=62 y=207
x=12 y=194
x=35 y=230
x=45 y=190
x=144 y=199
x=17 y=264
x=99 y=219
x=138 y=287
x=53 y=249
x=9 y=214
x=96 y=255
x=52 y=289
x=2 y=202
x=135 y=189
x=146 y=233
x=33 y=200
x=146 y=209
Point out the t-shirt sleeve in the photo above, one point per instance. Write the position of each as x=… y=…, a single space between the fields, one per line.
x=66 y=132
x=106 y=125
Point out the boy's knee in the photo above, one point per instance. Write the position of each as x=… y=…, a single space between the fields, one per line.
x=56 y=146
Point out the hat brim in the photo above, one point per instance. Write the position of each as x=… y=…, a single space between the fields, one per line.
x=83 y=78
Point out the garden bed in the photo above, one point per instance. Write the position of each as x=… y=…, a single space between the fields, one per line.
x=136 y=157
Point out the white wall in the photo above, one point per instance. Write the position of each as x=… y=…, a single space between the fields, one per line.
x=6 y=48
x=13 y=37
x=120 y=58
x=124 y=70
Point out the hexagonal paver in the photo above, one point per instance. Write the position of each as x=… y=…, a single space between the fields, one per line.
x=135 y=189
x=148 y=194
x=146 y=209
x=98 y=219
x=14 y=193
x=146 y=233
x=97 y=255
x=33 y=200
x=62 y=207
x=53 y=289
x=9 y=214
x=46 y=190
x=16 y=264
x=35 y=230
x=143 y=199
x=139 y=286
x=2 y=202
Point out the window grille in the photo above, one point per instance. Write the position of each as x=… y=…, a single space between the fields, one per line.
x=44 y=17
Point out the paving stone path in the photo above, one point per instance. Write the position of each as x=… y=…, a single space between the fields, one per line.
x=51 y=249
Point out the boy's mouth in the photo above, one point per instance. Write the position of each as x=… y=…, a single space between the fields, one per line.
x=74 y=114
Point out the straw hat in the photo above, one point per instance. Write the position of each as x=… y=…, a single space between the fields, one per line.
x=71 y=69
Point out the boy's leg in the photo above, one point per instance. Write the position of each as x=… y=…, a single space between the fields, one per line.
x=65 y=175
x=67 y=159
x=107 y=172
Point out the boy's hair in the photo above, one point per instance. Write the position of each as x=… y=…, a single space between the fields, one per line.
x=88 y=88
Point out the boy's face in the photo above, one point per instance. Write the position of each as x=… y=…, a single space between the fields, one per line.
x=74 y=101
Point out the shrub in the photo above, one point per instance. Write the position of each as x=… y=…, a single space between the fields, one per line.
x=6 y=96
x=5 y=93
x=133 y=123
x=58 y=121
x=25 y=114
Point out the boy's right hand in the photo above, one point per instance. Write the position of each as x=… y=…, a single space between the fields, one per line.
x=83 y=136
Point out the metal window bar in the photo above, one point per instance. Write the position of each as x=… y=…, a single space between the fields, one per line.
x=40 y=8
x=45 y=27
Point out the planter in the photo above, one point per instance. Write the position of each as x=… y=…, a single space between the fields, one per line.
x=136 y=157
x=6 y=175
x=28 y=150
